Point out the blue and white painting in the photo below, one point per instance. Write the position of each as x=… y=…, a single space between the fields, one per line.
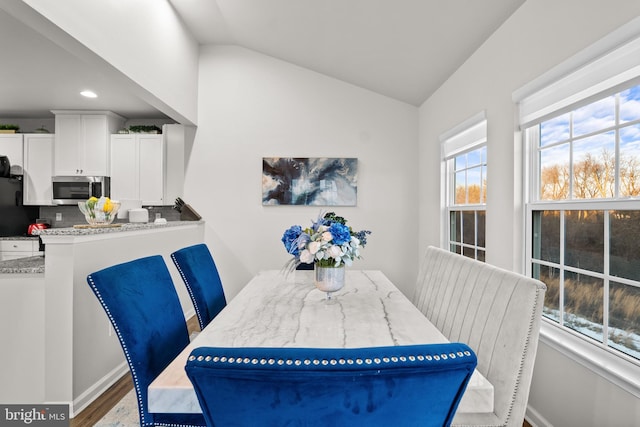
x=319 y=181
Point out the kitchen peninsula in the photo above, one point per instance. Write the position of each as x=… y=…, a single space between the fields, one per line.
x=61 y=338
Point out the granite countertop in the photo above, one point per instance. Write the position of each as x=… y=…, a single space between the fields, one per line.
x=35 y=264
x=113 y=228
x=32 y=264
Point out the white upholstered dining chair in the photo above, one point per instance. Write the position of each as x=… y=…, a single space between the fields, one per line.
x=497 y=313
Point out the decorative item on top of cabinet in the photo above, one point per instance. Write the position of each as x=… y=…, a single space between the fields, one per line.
x=41 y=129
x=9 y=128
x=82 y=141
x=153 y=129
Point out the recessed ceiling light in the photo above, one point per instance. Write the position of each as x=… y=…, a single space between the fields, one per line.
x=88 y=94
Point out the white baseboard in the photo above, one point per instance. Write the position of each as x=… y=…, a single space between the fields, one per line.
x=189 y=314
x=93 y=392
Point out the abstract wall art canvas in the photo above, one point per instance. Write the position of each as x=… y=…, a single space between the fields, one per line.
x=316 y=181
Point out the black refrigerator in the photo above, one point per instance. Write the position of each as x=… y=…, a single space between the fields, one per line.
x=14 y=217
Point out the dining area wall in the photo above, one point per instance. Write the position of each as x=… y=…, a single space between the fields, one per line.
x=536 y=38
x=253 y=106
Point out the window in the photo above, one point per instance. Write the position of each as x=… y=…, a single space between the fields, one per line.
x=465 y=163
x=584 y=217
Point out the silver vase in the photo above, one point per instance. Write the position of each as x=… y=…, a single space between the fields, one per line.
x=329 y=279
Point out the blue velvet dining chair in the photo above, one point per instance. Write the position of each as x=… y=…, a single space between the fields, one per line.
x=141 y=302
x=200 y=275
x=418 y=385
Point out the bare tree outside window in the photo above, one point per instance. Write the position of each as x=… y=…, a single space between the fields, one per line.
x=590 y=259
x=467 y=212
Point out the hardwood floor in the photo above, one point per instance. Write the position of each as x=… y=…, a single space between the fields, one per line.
x=99 y=407
x=103 y=404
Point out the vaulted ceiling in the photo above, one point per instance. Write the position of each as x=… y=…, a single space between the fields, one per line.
x=403 y=49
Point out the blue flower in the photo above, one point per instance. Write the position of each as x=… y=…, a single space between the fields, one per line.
x=340 y=233
x=362 y=236
x=329 y=242
x=289 y=239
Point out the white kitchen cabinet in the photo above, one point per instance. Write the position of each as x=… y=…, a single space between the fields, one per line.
x=19 y=248
x=149 y=167
x=138 y=168
x=82 y=142
x=11 y=146
x=152 y=169
x=38 y=169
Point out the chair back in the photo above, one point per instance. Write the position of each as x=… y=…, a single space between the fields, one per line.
x=497 y=313
x=200 y=275
x=143 y=306
x=418 y=385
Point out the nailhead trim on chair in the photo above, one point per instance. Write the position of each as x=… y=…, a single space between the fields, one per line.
x=136 y=382
x=326 y=362
x=190 y=290
x=526 y=346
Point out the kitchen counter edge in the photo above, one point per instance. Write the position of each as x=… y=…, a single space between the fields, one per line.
x=26 y=265
x=36 y=264
x=125 y=227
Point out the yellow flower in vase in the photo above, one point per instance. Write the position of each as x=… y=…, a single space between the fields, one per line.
x=108 y=206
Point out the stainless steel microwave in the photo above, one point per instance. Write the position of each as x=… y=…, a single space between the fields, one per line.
x=69 y=190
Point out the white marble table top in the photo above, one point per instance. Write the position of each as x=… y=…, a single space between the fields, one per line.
x=277 y=311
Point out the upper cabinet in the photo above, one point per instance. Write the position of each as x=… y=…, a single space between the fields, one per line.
x=11 y=146
x=31 y=155
x=138 y=168
x=38 y=169
x=148 y=168
x=82 y=142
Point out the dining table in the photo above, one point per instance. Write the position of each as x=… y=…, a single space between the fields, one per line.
x=280 y=309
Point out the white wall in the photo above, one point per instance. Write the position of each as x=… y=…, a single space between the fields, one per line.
x=540 y=35
x=253 y=106
x=142 y=43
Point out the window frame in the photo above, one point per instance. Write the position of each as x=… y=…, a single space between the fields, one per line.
x=599 y=67
x=467 y=137
x=591 y=351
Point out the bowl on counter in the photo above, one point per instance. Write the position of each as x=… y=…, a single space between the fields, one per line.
x=100 y=211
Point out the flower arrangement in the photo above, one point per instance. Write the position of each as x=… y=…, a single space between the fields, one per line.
x=99 y=211
x=329 y=242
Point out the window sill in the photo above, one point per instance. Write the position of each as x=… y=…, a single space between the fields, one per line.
x=625 y=374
